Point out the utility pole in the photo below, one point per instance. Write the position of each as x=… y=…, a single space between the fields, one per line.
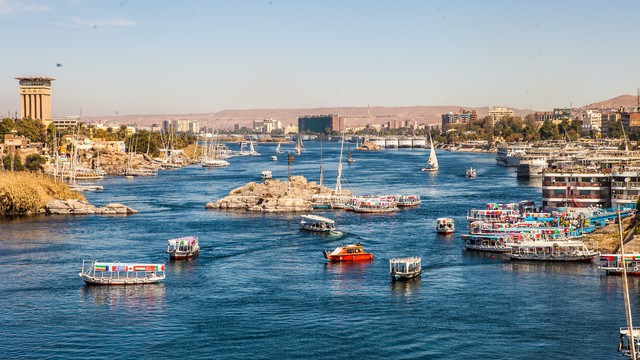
x=289 y=161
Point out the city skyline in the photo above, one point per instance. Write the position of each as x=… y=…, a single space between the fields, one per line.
x=143 y=57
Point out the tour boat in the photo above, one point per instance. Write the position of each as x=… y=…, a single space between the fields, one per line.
x=405 y=268
x=612 y=264
x=471 y=173
x=214 y=162
x=500 y=243
x=432 y=163
x=625 y=342
x=183 y=247
x=552 y=251
x=445 y=226
x=405 y=200
x=266 y=174
x=316 y=223
x=274 y=158
x=101 y=273
x=353 y=252
x=369 y=204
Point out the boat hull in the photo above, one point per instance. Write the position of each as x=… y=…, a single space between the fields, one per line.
x=348 y=257
x=492 y=249
x=182 y=255
x=561 y=258
x=405 y=276
x=107 y=281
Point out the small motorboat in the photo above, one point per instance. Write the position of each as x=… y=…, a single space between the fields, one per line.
x=405 y=268
x=317 y=223
x=353 y=252
x=445 y=226
x=274 y=158
x=471 y=173
x=183 y=247
x=266 y=174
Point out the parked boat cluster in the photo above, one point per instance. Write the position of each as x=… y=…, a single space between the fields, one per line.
x=523 y=232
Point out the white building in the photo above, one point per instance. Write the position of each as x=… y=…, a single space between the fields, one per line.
x=67 y=122
x=497 y=113
x=592 y=120
x=267 y=125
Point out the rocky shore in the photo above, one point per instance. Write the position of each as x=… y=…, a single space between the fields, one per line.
x=272 y=196
x=79 y=207
x=369 y=146
x=607 y=239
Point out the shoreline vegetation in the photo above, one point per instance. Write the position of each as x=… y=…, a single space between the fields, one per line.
x=26 y=193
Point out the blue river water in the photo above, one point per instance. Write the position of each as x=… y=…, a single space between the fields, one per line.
x=260 y=287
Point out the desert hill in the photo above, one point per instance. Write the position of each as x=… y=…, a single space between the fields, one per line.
x=614 y=103
x=354 y=115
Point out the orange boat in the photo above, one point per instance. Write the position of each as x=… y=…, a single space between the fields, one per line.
x=353 y=252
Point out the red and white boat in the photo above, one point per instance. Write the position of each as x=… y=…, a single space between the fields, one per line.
x=612 y=264
x=353 y=252
x=445 y=226
x=183 y=247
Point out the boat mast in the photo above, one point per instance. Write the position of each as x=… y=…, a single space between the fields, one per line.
x=338 y=184
x=625 y=285
x=321 y=172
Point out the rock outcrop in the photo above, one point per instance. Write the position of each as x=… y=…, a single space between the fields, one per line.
x=369 y=146
x=78 y=207
x=272 y=196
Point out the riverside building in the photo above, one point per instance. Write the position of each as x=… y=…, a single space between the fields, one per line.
x=320 y=123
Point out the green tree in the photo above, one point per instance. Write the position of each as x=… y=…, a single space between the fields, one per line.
x=32 y=129
x=548 y=131
x=12 y=162
x=34 y=162
x=7 y=125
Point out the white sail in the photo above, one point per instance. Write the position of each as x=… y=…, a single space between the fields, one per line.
x=432 y=163
x=298 y=148
x=278 y=151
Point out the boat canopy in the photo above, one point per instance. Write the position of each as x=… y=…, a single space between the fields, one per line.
x=126 y=267
x=183 y=240
x=316 y=218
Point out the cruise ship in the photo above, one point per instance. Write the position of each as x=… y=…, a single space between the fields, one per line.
x=577 y=186
x=625 y=185
x=509 y=154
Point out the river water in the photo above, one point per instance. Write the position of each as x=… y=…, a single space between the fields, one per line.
x=260 y=288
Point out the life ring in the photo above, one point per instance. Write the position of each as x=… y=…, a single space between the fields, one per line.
x=352 y=257
x=535 y=256
x=551 y=256
x=618 y=269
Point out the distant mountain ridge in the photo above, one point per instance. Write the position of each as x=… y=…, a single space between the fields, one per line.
x=226 y=119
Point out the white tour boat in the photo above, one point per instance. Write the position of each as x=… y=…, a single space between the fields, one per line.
x=405 y=268
x=445 y=226
x=552 y=251
x=266 y=174
x=274 y=158
x=498 y=243
x=471 y=173
x=316 y=223
x=101 y=273
x=612 y=264
x=183 y=247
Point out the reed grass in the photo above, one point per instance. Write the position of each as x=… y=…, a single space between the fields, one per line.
x=24 y=192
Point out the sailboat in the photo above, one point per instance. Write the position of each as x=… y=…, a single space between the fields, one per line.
x=298 y=148
x=350 y=159
x=278 y=151
x=432 y=164
x=252 y=151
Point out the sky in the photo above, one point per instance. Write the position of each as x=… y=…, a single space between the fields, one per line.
x=177 y=57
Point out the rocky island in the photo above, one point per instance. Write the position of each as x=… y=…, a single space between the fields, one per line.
x=25 y=193
x=273 y=196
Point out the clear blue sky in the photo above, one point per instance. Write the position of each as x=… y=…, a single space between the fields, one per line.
x=168 y=57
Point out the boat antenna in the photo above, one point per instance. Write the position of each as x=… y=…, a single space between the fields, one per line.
x=625 y=285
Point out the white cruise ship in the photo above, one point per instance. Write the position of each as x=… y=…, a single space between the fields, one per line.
x=509 y=154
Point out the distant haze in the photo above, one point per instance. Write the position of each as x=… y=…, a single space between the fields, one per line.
x=354 y=115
